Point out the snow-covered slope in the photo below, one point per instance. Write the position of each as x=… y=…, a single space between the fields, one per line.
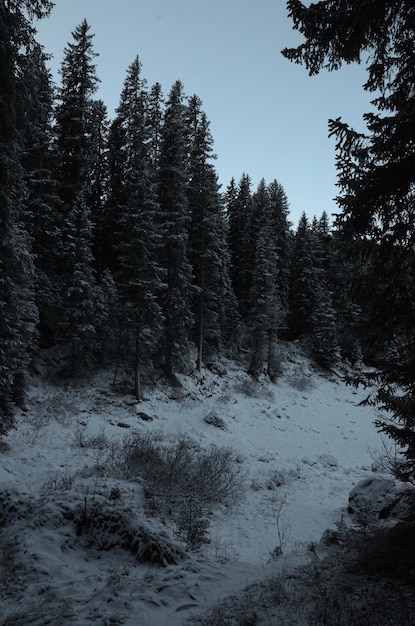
x=302 y=443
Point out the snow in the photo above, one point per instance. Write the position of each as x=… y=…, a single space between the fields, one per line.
x=302 y=443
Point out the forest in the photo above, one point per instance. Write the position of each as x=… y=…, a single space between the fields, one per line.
x=119 y=248
x=180 y=364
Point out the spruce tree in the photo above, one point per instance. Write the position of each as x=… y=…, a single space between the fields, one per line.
x=79 y=124
x=155 y=115
x=175 y=221
x=42 y=205
x=79 y=321
x=280 y=225
x=74 y=114
x=213 y=300
x=97 y=190
x=239 y=209
x=268 y=250
x=18 y=312
x=266 y=313
x=376 y=169
x=139 y=275
x=302 y=281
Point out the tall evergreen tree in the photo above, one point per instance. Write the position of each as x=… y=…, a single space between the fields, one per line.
x=266 y=313
x=139 y=275
x=280 y=226
x=239 y=211
x=377 y=168
x=79 y=321
x=18 y=313
x=269 y=254
x=213 y=299
x=97 y=190
x=39 y=163
x=79 y=123
x=173 y=179
x=74 y=114
x=155 y=115
x=302 y=280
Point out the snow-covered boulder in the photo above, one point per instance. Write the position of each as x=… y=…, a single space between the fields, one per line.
x=214 y=419
x=384 y=497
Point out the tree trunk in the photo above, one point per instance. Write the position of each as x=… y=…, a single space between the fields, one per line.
x=201 y=320
x=137 y=374
x=255 y=366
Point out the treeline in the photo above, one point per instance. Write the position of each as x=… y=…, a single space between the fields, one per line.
x=118 y=246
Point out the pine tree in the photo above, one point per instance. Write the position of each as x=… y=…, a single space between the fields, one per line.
x=97 y=190
x=74 y=114
x=80 y=123
x=266 y=313
x=280 y=225
x=18 y=312
x=173 y=179
x=302 y=281
x=268 y=249
x=80 y=292
x=155 y=115
x=139 y=275
x=213 y=300
x=324 y=340
x=240 y=246
x=376 y=170
x=39 y=163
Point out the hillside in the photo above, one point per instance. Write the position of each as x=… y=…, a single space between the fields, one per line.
x=70 y=507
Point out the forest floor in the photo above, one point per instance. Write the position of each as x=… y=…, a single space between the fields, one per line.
x=83 y=541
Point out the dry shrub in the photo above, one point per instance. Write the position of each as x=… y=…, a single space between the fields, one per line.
x=183 y=480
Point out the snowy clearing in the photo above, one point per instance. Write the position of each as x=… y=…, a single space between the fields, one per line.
x=73 y=525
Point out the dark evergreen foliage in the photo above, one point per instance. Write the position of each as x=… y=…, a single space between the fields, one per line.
x=376 y=171
x=302 y=281
x=19 y=63
x=239 y=209
x=80 y=123
x=173 y=178
x=213 y=301
x=78 y=324
x=116 y=241
x=139 y=276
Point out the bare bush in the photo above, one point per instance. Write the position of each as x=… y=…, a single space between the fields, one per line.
x=252 y=388
x=389 y=460
x=58 y=482
x=184 y=468
x=184 y=481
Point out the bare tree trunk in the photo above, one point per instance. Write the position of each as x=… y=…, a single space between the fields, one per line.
x=137 y=374
x=201 y=321
x=255 y=366
x=269 y=357
x=118 y=357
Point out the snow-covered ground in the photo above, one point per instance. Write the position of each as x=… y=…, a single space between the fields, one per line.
x=302 y=443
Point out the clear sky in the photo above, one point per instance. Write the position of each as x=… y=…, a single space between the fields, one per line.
x=268 y=117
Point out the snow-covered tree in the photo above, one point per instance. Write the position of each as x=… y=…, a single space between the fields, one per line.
x=173 y=179
x=19 y=57
x=80 y=293
x=239 y=208
x=80 y=136
x=139 y=275
x=302 y=280
x=213 y=299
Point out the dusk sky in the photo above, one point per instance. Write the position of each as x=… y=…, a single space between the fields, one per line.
x=268 y=117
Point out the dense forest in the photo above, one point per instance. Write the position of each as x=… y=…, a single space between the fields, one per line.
x=119 y=247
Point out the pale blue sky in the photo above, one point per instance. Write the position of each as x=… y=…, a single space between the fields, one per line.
x=268 y=117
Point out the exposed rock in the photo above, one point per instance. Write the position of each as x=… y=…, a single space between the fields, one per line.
x=144 y=416
x=328 y=461
x=384 y=497
x=214 y=419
